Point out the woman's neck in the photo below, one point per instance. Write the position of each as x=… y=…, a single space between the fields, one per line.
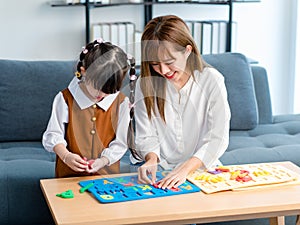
x=182 y=81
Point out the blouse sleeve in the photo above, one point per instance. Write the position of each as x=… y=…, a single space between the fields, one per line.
x=55 y=131
x=215 y=141
x=146 y=135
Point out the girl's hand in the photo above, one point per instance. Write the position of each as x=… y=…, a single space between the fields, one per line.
x=95 y=165
x=75 y=162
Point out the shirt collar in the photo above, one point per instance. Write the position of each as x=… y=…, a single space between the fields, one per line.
x=84 y=102
x=185 y=89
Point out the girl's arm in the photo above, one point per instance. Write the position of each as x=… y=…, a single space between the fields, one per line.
x=118 y=147
x=53 y=138
x=74 y=161
x=55 y=131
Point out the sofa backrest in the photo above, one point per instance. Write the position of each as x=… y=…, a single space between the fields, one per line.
x=30 y=86
x=27 y=90
x=262 y=92
x=240 y=88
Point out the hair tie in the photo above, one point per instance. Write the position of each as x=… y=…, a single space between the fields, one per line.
x=85 y=51
x=78 y=75
x=99 y=40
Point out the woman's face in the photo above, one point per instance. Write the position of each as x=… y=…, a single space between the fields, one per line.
x=173 y=66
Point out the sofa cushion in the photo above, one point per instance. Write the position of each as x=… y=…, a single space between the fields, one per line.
x=21 y=169
x=240 y=88
x=27 y=90
x=21 y=184
x=23 y=153
x=278 y=141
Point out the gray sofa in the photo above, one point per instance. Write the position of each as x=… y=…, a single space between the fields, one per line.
x=28 y=87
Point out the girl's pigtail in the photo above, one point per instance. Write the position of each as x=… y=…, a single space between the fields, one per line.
x=88 y=48
x=80 y=62
x=131 y=129
x=78 y=71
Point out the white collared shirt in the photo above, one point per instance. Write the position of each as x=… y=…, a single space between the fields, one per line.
x=197 y=122
x=55 y=131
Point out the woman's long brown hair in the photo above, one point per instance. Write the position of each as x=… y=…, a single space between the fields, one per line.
x=161 y=34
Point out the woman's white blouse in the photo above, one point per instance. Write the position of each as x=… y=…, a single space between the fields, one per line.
x=55 y=131
x=197 y=122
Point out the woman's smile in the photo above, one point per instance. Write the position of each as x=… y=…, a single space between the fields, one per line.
x=170 y=75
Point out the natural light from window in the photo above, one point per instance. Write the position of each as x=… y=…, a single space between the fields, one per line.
x=297 y=66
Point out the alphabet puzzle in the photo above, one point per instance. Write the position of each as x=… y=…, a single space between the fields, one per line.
x=126 y=188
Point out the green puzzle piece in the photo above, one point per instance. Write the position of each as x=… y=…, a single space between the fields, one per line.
x=66 y=194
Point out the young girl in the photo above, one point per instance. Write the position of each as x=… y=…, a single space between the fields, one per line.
x=89 y=122
x=182 y=113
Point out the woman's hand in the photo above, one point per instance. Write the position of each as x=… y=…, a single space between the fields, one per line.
x=174 y=178
x=179 y=174
x=148 y=168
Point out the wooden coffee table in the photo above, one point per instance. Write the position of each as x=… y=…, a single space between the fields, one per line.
x=270 y=202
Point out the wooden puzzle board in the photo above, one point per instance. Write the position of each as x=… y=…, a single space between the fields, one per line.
x=126 y=188
x=256 y=175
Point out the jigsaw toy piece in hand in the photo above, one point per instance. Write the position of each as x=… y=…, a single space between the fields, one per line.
x=90 y=162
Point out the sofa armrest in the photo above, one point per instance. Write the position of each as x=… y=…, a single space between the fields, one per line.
x=262 y=93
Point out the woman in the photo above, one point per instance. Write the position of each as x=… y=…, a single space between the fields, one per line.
x=182 y=113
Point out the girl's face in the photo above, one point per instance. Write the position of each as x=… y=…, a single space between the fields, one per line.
x=172 y=66
x=94 y=94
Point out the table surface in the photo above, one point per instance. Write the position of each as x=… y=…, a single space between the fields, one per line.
x=269 y=202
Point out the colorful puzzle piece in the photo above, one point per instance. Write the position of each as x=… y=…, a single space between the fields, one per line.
x=66 y=194
x=126 y=188
x=236 y=177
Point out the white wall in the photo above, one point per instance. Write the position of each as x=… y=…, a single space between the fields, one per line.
x=33 y=30
x=296 y=81
x=266 y=34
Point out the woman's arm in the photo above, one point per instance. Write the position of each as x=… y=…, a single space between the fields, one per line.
x=214 y=142
x=146 y=135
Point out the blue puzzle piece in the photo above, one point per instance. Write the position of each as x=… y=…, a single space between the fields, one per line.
x=127 y=188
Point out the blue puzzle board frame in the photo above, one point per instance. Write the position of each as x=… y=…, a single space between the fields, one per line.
x=126 y=188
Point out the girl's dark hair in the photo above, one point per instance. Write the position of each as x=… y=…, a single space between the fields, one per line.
x=105 y=64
